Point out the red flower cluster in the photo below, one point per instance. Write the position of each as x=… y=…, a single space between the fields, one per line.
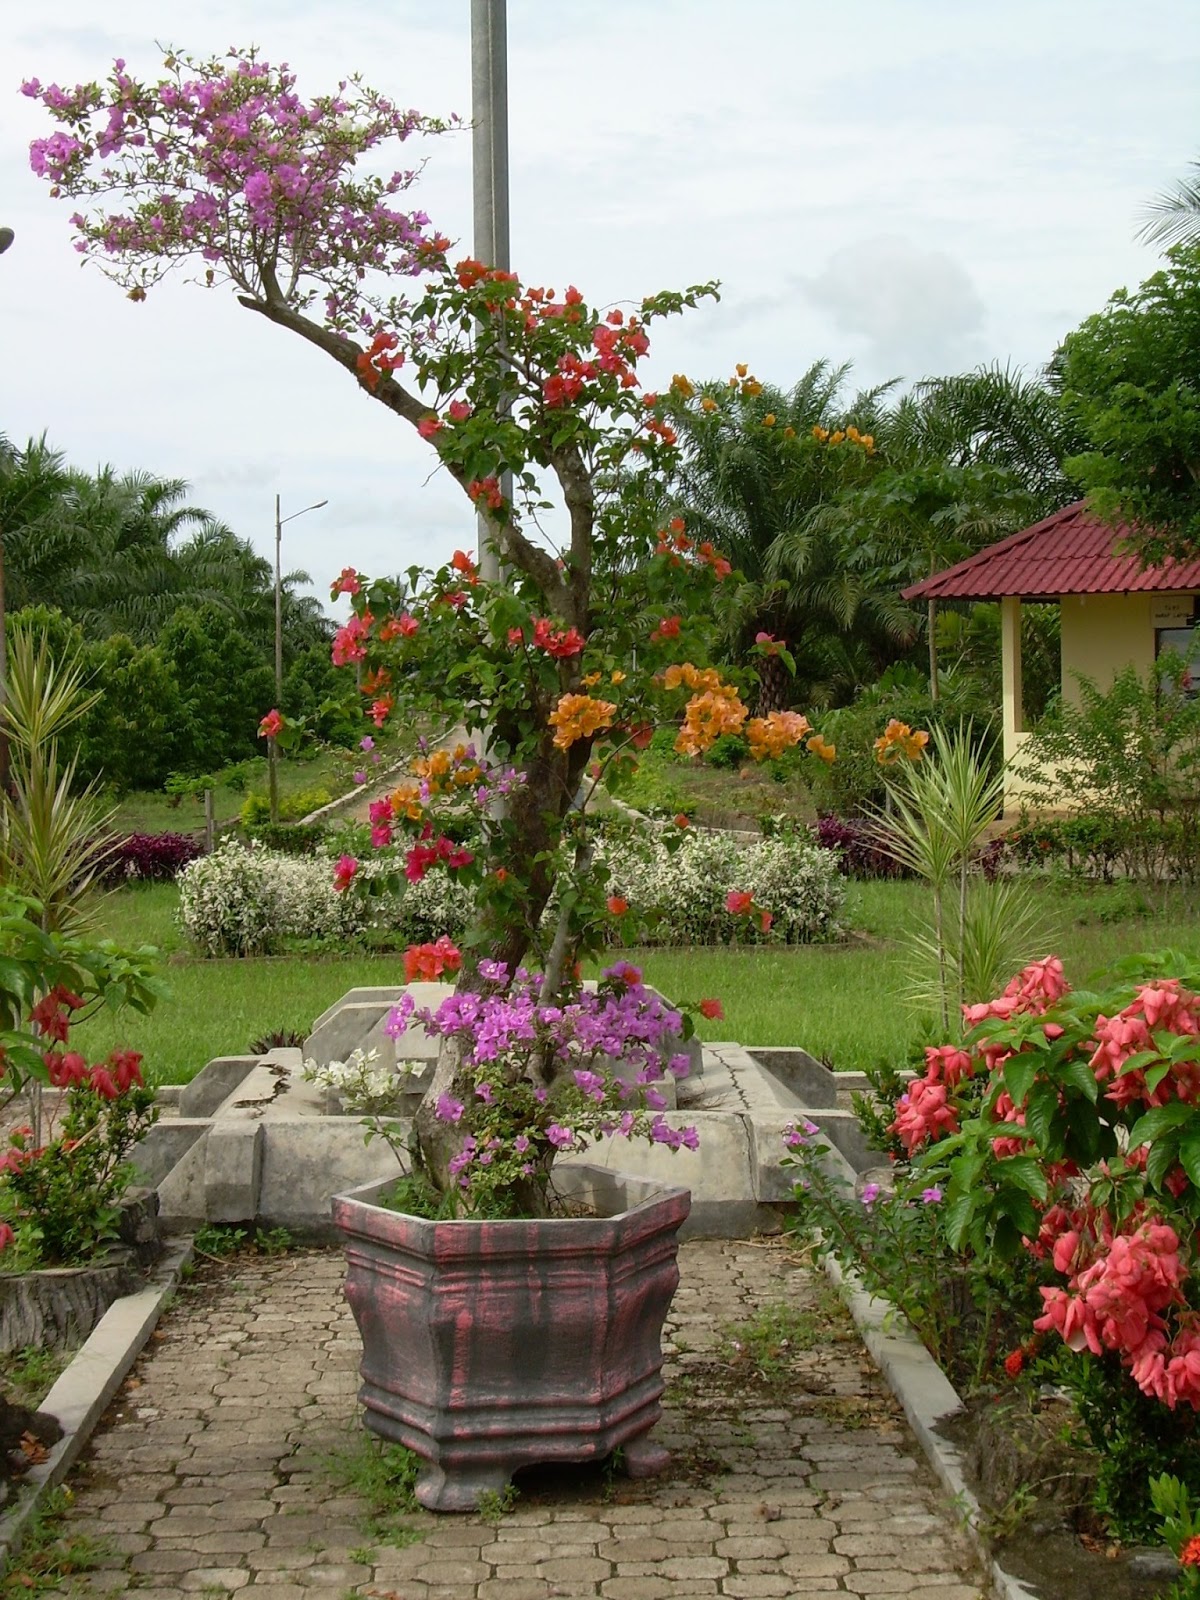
x=271 y=725
x=350 y=642
x=428 y=961
x=557 y=642
x=423 y=856
x=346 y=583
x=377 y=359
x=488 y=490
x=52 y=1014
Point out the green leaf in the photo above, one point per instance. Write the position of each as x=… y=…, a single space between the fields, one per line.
x=1041 y=1110
x=956 y=1219
x=1019 y=1072
x=1156 y=1122
x=1078 y=1075
x=1189 y=1157
x=1026 y=1173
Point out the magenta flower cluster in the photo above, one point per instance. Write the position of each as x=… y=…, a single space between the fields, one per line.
x=222 y=157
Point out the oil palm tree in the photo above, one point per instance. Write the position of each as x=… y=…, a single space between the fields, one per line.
x=757 y=464
x=1173 y=217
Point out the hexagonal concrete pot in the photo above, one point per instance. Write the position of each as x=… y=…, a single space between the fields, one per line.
x=488 y=1346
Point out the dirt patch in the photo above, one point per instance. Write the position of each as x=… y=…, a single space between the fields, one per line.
x=1034 y=1479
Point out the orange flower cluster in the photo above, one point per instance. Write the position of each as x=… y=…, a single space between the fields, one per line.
x=689 y=677
x=898 y=740
x=745 y=380
x=578 y=716
x=816 y=746
x=770 y=736
x=405 y=801
x=445 y=769
x=707 y=716
x=839 y=435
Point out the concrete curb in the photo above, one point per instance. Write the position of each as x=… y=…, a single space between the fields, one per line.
x=927 y=1396
x=82 y=1394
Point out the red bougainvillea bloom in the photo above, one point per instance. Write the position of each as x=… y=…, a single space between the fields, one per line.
x=668 y=628
x=739 y=902
x=428 y=961
x=103 y=1082
x=1014 y=1362
x=346 y=583
x=126 y=1068
x=682 y=820
x=617 y=904
x=557 y=642
x=462 y=562
x=487 y=490
x=713 y=1010
x=6 y=1235
x=343 y=873
x=271 y=725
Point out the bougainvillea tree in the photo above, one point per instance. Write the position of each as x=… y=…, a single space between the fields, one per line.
x=532 y=401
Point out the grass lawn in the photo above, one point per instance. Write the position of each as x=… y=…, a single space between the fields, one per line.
x=158 y=812
x=843 y=1002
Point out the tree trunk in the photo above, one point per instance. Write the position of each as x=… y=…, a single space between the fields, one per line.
x=533 y=827
x=773 y=686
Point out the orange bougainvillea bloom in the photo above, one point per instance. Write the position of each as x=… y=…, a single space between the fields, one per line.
x=617 y=904
x=824 y=752
x=770 y=736
x=899 y=741
x=578 y=716
x=707 y=716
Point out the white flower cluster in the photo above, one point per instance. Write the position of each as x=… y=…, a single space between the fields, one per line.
x=683 y=892
x=244 y=900
x=362 y=1083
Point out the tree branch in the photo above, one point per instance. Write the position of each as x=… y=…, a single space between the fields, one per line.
x=514 y=547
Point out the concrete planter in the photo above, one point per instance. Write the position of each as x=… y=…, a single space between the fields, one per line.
x=488 y=1346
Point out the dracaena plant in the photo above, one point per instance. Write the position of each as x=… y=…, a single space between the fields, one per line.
x=530 y=399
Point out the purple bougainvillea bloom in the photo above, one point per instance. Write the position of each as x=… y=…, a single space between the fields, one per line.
x=559 y=1136
x=870 y=1193
x=448 y=1108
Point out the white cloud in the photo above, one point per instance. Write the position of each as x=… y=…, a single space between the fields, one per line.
x=949 y=182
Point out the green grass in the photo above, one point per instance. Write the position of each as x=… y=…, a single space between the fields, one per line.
x=841 y=1002
x=158 y=812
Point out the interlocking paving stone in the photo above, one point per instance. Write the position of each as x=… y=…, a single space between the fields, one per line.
x=211 y=1473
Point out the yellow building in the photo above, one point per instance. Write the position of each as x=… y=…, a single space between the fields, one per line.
x=1114 y=612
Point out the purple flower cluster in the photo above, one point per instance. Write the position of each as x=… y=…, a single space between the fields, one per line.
x=222 y=158
x=544 y=1078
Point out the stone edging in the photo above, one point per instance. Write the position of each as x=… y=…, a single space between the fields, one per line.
x=927 y=1396
x=82 y=1394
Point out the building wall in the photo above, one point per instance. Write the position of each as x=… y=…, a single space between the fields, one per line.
x=1102 y=634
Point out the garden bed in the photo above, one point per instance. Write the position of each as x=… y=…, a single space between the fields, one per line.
x=1034 y=1479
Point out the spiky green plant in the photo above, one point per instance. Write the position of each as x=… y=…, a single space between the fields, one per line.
x=935 y=825
x=54 y=834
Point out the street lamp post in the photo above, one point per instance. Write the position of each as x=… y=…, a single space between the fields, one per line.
x=489 y=171
x=272 y=743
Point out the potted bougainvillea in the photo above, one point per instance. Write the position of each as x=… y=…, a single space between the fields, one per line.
x=527 y=1333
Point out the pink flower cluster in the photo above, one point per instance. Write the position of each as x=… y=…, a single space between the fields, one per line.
x=223 y=158
x=1119 y=1296
x=1163 y=1006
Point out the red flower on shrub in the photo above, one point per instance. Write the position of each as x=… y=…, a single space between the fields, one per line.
x=271 y=725
x=713 y=1010
x=428 y=961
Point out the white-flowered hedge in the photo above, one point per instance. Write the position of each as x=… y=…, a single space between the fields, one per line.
x=682 y=892
x=247 y=900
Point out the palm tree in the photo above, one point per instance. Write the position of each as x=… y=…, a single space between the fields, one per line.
x=1173 y=217
x=966 y=460
x=757 y=464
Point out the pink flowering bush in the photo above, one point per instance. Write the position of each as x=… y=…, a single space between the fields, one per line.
x=1063 y=1135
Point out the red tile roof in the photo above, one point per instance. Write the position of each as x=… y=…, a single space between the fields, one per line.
x=1068 y=553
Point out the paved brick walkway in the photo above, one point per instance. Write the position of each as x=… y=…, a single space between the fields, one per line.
x=212 y=1473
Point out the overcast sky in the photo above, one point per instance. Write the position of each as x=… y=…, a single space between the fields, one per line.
x=914 y=185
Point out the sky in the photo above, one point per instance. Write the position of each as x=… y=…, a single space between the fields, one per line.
x=915 y=186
